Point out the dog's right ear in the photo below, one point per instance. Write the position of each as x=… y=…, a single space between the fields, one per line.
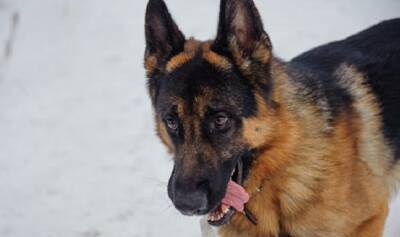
x=163 y=37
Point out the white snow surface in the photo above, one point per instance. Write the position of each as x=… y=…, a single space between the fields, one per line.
x=78 y=152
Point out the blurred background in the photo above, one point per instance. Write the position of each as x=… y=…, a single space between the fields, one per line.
x=78 y=152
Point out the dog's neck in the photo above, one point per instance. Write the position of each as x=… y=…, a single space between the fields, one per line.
x=281 y=158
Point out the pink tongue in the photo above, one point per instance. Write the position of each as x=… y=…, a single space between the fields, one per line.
x=235 y=196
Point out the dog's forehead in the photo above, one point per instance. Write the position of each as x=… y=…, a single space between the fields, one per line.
x=194 y=92
x=198 y=86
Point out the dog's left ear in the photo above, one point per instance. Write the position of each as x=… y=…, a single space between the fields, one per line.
x=241 y=34
x=163 y=37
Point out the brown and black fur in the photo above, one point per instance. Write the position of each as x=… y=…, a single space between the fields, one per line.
x=319 y=136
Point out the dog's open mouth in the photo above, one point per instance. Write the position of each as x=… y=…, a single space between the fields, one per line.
x=234 y=199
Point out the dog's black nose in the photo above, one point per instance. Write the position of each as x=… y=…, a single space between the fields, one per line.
x=191 y=203
x=190 y=196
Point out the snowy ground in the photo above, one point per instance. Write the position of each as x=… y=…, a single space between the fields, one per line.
x=78 y=155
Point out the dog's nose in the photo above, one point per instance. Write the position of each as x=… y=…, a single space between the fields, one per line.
x=191 y=203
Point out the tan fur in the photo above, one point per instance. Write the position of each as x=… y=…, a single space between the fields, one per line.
x=217 y=60
x=372 y=142
x=394 y=178
x=192 y=46
x=163 y=134
x=190 y=49
x=258 y=129
x=313 y=183
x=374 y=226
x=178 y=61
x=150 y=64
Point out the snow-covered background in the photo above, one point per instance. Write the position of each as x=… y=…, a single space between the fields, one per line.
x=78 y=155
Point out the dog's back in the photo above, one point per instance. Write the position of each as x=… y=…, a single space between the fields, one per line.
x=375 y=52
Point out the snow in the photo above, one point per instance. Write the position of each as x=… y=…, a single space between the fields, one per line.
x=78 y=153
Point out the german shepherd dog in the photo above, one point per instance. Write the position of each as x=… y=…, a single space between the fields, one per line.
x=314 y=142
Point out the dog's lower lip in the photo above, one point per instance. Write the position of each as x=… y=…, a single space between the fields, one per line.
x=224 y=219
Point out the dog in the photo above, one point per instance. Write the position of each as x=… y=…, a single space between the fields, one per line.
x=314 y=142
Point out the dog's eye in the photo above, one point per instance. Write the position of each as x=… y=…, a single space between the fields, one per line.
x=221 y=120
x=171 y=123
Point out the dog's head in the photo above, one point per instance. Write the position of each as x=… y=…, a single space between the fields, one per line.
x=212 y=100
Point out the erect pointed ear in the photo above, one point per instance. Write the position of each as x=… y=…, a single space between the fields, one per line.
x=241 y=33
x=163 y=37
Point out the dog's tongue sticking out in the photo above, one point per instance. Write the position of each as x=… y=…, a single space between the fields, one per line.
x=235 y=196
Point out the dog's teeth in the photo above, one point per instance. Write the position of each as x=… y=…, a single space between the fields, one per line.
x=218 y=214
x=224 y=208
